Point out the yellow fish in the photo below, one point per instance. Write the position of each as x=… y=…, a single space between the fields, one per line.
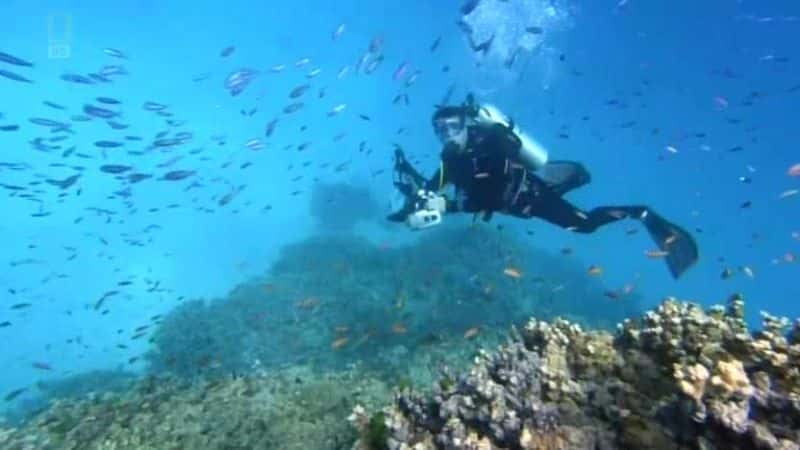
x=339 y=343
x=472 y=332
x=595 y=270
x=399 y=328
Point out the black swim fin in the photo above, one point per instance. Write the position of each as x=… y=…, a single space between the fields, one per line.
x=679 y=246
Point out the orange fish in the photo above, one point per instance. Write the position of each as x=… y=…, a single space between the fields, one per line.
x=595 y=270
x=512 y=272
x=472 y=332
x=309 y=303
x=339 y=343
x=399 y=328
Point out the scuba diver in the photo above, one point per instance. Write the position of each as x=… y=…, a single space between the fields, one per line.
x=495 y=167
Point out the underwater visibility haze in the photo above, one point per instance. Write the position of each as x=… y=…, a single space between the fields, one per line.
x=494 y=224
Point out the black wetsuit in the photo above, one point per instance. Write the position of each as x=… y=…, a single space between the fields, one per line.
x=488 y=178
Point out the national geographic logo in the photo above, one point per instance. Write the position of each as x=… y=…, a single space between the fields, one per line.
x=59 y=35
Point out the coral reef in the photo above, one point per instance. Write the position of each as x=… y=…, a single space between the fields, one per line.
x=77 y=386
x=292 y=408
x=225 y=373
x=354 y=300
x=199 y=338
x=680 y=377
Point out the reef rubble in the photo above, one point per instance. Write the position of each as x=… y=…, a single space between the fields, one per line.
x=679 y=377
x=292 y=408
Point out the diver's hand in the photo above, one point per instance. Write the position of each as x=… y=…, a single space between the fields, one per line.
x=435 y=202
x=428 y=210
x=423 y=218
x=400 y=161
x=430 y=201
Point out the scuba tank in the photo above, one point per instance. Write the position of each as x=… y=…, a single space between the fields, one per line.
x=531 y=153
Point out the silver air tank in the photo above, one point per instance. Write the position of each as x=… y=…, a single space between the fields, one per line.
x=531 y=154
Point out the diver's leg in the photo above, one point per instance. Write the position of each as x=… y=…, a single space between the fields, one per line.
x=545 y=204
x=680 y=249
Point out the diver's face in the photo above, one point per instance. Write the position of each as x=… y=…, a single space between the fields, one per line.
x=451 y=130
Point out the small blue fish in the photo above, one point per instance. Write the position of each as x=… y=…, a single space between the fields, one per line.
x=54 y=105
x=96 y=111
x=75 y=78
x=108 y=100
x=47 y=122
x=108 y=144
x=154 y=106
x=16 y=392
x=176 y=175
x=114 y=168
x=14 y=76
x=11 y=59
x=115 y=53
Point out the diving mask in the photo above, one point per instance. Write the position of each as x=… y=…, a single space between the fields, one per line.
x=449 y=129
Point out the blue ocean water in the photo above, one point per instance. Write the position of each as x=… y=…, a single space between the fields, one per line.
x=668 y=104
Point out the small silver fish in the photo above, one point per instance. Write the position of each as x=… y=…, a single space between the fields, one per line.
x=116 y=53
x=339 y=32
x=337 y=109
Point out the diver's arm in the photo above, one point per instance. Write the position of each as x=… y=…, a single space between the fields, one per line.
x=430 y=204
x=437 y=184
x=405 y=170
x=413 y=181
x=423 y=206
